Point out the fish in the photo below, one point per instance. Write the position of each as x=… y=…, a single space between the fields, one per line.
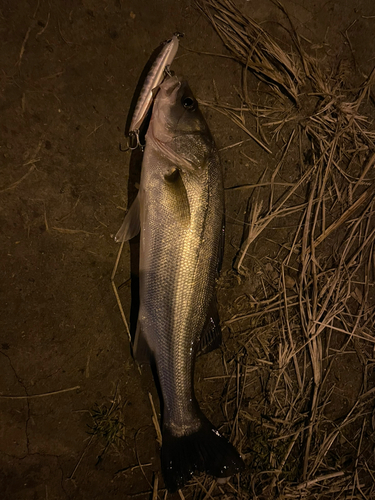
x=153 y=79
x=179 y=212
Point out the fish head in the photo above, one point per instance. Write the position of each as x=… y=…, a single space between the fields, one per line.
x=178 y=123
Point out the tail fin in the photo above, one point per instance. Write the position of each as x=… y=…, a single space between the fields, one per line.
x=204 y=451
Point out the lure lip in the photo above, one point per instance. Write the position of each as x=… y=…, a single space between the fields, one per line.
x=151 y=86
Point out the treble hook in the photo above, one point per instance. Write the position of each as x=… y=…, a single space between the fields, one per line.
x=134 y=141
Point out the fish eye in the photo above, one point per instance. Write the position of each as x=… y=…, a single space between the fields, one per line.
x=188 y=103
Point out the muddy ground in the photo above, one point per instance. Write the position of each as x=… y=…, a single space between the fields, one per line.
x=68 y=73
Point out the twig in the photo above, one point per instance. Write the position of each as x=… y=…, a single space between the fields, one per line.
x=117 y=261
x=155 y=488
x=114 y=287
x=44 y=28
x=155 y=420
x=234 y=145
x=237 y=121
x=307 y=484
x=81 y=457
x=343 y=217
x=18 y=63
x=95 y=129
x=369 y=164
x=72 y=231
x=31 y=396
x=15 y=184
x=121 y=310
x=278 y=166
x=261 y=184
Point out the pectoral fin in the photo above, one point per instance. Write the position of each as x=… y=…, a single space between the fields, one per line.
x=131 y=225
x=178 y=197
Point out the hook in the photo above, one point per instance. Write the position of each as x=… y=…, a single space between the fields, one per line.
x=121 y=149
x=134 y=141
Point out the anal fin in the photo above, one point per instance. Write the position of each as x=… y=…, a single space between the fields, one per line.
x=211 y=336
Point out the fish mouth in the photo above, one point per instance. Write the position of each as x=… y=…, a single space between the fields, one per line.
x=160 y=127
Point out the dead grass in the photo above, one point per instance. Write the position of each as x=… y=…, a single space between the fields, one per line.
x=307 y=333
x=253 y=47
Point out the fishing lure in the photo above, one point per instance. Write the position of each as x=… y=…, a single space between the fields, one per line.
x=151 y=85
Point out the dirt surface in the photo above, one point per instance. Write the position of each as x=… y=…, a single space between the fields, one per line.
x=68 y=73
